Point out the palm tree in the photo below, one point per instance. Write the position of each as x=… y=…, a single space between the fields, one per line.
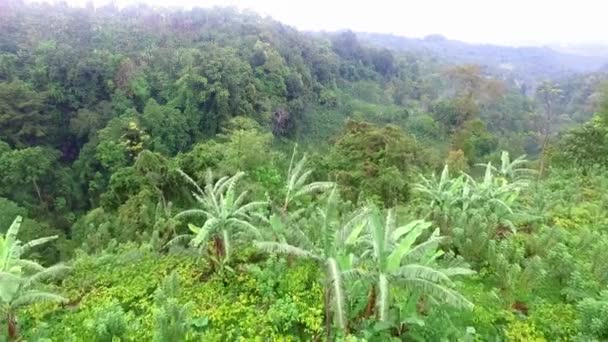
x=19 y=278
x=396 y=258
x=331 y=250
x=297 y=186
x=227 y=215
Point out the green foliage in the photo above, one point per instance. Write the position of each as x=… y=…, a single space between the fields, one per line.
x=172 y=319
x=297 y=185
x=126 y=291
x=167 y=127
x=373 y=162
x=332 y=249
x=109 y=118
x=22 y=122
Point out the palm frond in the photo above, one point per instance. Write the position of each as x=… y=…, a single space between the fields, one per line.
x=423 y=248
x=404 y=247
x=457 y=271
x=417 y=271
x=32 y=297
x=37 y=242
x=192 y=212
x=284 y=248
x=178 y=239
x=54 y=271
x=439 y=292
x=190 y=181
x=29 y=265
x=202 y=233
x=250 y=207
x=313 y=187
x=244 y=224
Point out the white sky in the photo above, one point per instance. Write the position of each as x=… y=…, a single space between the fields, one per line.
x=513 y=22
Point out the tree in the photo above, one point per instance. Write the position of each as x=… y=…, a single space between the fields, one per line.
x=22 y=121
x=26 y=169
x=167 y=127
x=547 y=93
x=227 y=216
x=451 y=198
x=586 y=146
x=375 y=162
x=20 y=278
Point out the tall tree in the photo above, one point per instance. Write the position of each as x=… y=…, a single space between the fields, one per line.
x=547 y=94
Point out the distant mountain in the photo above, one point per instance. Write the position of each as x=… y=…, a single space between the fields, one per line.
x=582 y=49
x=525 y=63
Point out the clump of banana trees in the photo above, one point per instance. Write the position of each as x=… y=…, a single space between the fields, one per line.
x=450 y=198
x=363 y=247
x=357 y=247
x=475 y=212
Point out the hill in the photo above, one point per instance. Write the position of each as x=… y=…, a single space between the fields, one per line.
x=527 y=63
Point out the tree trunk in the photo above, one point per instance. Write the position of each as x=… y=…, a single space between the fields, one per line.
x=13 y=332
x=371 y=302
x=218 y=246
x=543 y=148
x=327 y=315
x=37 y=188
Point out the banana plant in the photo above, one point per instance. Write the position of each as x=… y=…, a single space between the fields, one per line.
x=332 y=250
x=444 y=195
x=511 y=169
x=20 y=278
x=228 y=216
x=297 y=185
x=399 y=258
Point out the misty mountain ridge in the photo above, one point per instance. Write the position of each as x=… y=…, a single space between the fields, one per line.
x=526 y=63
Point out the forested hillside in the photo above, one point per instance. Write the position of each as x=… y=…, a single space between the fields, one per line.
x=212 y=175
x=526 y=64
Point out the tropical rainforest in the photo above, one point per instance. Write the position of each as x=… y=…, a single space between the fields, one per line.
x=215 y=175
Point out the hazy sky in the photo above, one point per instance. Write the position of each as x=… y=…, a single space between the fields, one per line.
x=487 y=21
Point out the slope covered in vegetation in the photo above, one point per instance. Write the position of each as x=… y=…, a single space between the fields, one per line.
x=214 y=175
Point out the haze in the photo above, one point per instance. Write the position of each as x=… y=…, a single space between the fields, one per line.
x=516 y=22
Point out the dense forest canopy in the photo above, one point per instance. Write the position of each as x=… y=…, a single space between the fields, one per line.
x=213 y=175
